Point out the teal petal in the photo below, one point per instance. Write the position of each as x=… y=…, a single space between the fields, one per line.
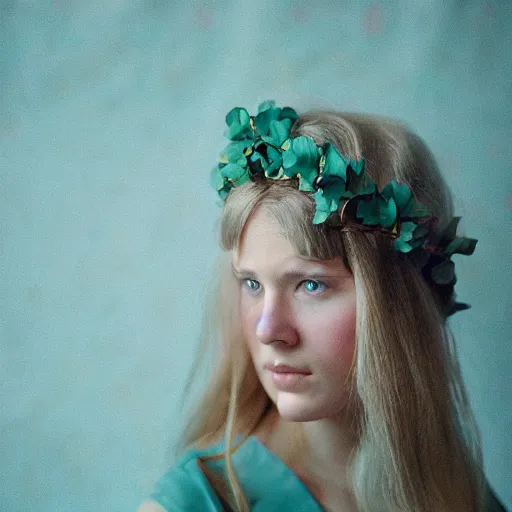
x=276 y=174
x=289 y=113
x=358 y=184
x=402 y=243
x=221 y=185
x=444 y=273
x=234 y=153
x=279 y=131
x=421 y=231
x=302 y=157
x=322 y=210
x=333 y=189
x=419 y=256
x=356 y=165
x=265 y=159
x=264 y=118
x=266 y=105
x=274 y=159
x=388 y=214
x=400 y=192
x=378 y=211
x=461 y=245
x=239 y=124
x=216 y=179
x=235 y=173
x=442 y=238
x=224 y=192
x=415 y=209
x=450 y=231
x=335 y=164
x=306 y=180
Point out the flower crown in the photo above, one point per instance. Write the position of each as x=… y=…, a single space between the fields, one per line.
x=262 y=148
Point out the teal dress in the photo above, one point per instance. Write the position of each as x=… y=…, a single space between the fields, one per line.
x=267 y=482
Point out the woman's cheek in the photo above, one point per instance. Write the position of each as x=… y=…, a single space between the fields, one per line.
x=335 y=341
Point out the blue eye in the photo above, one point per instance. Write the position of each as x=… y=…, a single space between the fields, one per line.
x=252 y=285
x=314 y=286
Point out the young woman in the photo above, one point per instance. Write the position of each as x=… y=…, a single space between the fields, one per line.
x=335 y=384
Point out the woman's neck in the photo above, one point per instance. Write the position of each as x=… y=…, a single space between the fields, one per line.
x=319 y=452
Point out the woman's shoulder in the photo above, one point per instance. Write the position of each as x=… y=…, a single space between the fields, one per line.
x=185 y=487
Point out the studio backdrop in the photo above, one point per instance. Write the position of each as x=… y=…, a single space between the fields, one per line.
x=111 y=119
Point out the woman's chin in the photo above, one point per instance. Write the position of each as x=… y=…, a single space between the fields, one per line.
x=297 y=409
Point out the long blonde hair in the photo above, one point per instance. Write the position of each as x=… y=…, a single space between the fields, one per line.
x=419 y=446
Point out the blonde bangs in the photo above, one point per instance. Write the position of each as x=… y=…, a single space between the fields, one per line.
x=292 y=209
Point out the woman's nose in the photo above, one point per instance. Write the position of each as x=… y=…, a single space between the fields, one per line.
x=276 y=322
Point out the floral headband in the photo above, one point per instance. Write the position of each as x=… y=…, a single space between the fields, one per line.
x=262 y=148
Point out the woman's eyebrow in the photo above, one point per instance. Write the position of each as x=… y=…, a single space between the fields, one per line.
x=299 y=274
x=315 y=274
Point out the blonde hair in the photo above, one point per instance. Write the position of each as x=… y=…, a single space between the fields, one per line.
x=419 y=446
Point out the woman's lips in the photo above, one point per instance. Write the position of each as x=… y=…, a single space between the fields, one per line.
x=288 y=378
x=282 y=368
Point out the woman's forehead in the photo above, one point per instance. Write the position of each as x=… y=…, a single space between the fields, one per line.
x=265 y=248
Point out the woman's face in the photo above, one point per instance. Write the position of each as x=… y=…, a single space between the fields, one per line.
x=298 y=319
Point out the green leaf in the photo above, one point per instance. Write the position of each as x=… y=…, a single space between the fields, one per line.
x=306 y=180
x=415 y=209
x=458 y=306
x=239 y=124
x=235 y=173
x=419 y=256
x=461 y=245
x=279 y=131
x=322 y=204
x=274 y=160
x=216 y=178
x=402 y=244
x=335 y=164
x=421 y=231
x=444 y=273
x=400 y=192
x=266 y=105
x=220 y=184
x=378 y=211
x=264 y=118
x=358 y=184
x=441 y=239
x=288 y=113
x=234 y=153
x=333 y=189
x=450 y=231
x=302 y=157
x=356 y=165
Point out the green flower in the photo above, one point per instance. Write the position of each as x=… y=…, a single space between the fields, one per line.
x=229 y=176
x=378 y=211
x=334 y=163
x=265 y=160
x=341 y=179
x=327 y=198
x=449 y=243
x=239 y=124
x=301 y=159
x=273 y=124
x=262 y=148
x=406 y=203
x=444 y=273
x=235 y=153
x=255 y=149
x=411 y=236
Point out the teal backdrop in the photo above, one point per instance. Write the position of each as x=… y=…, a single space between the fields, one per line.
x=111 y=117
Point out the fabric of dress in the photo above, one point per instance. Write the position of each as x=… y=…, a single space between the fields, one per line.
x=269 y=485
